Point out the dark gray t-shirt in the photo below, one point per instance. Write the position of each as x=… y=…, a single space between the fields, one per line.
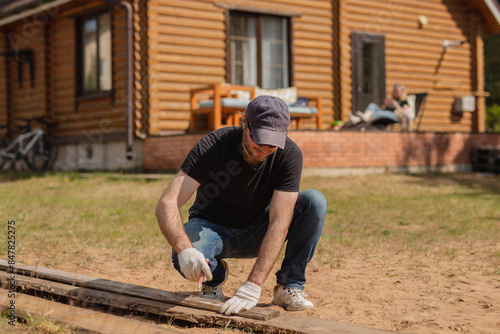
x=231 y=192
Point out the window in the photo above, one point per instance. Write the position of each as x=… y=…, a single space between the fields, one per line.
x=259 y=50
x=94 y=54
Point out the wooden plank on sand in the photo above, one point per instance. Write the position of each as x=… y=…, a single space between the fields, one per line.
x=284 y=323
x=85 y=296
x=133 y=290
x=78 y=318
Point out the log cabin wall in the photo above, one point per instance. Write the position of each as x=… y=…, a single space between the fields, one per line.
x=187 y=41
x=3 y=83
x=23 y=97
x=52 y=37
x=415 y=56
x=77 y=116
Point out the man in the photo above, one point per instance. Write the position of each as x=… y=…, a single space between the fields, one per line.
x=247 y=204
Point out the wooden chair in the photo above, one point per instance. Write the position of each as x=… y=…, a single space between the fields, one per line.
x=222 y=107
x=299 y=113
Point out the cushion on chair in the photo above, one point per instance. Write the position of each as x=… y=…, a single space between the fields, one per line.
x=294 y=108
x=411 y=103
x=226 y=102
x=289 y=95
x=237 y=103
x=241 y=94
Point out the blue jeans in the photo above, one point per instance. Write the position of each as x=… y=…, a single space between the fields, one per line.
x=379 y=113
x=373 y=107
x=218 y=242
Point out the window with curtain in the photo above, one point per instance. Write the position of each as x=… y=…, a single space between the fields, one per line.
x=94 y=48
x=259 y=50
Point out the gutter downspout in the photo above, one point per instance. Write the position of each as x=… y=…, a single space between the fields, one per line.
x=128 y=72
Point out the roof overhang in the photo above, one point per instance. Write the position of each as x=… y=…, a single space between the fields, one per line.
x=490 y=11
x=44 y=7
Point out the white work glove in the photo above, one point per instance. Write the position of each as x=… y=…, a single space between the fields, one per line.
x=192 y=263
x=244 y=299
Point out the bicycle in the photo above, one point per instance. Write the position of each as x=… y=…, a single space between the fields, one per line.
x=32 y=145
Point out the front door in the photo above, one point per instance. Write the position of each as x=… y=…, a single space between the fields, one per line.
x=368 y=70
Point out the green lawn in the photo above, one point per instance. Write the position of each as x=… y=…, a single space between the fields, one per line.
x=60 y=217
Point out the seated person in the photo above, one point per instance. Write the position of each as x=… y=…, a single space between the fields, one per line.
x=398 y=104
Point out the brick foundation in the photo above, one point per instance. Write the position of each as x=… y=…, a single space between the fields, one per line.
x=333 y=149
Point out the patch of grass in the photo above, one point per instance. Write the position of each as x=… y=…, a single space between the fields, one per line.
x=31 y=323
x=42 y=325
x=59 y=216
x=322 y=303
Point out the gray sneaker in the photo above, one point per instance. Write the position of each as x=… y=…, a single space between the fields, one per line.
x=215 y=292
x=291 y=299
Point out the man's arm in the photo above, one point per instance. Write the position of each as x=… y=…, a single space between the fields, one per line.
x=280 y=217
x=191 y=261
x=167 y=212
x=386 y=104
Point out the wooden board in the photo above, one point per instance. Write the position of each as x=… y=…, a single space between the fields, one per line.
x=89 y=297
x=285 y=322
x=78 y=318
x=85 y=296
x=133 y=290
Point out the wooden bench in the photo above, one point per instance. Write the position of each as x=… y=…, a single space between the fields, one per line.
x=223 y=107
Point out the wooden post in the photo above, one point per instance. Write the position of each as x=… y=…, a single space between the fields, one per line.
x=217 y=120
x=319 y=117
x=477 y=74
x=153 y=80
x=193 y=106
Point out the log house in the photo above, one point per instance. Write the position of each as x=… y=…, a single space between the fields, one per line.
x=347 y=52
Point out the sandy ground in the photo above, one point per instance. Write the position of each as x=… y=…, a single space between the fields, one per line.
x=382 y=290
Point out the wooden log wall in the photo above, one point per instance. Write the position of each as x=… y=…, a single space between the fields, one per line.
x=52 y=37
x=105 y=114
x=62 y=69
x=53 y=40
x=3 y=83
x=21 y=100
x=188 y=49
x=415 y=54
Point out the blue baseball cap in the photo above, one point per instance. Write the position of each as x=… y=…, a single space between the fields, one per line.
x=269 y=118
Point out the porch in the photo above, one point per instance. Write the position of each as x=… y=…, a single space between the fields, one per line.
x=329 y=152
